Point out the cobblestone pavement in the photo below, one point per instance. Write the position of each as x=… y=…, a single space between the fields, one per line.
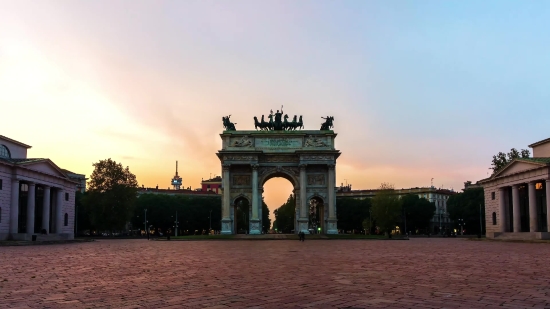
x=420 y=273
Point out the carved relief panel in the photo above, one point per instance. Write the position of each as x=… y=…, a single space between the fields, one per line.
x=241 y=180
x=316 y=179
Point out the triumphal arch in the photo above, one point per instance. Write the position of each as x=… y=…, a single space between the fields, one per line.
x=280 y=148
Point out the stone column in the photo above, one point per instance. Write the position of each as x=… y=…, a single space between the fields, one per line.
x=548 y=205
x=14 y=211
x=331 y=229
x=304 y=213
x=515 y=205
x=226 y=218
x=254 y=226
x=30 y=208
x=59 y=212
x=502 y=209
x=46 y=210
x=532 y=207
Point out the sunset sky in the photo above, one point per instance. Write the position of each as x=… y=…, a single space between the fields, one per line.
x=418 y=89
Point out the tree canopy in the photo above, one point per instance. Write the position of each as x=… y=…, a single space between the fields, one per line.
x=418 y=212
x=193 y=213
x=352 y=212
x=284 y=215
x=466 y=206
x=501 y=159
x=110 y=200
x=386 y=208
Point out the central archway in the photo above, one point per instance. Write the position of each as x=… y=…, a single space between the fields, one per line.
x=250 y=158
x=278 y=193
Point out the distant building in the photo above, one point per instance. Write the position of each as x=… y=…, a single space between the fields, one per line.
x=440 y=221
x=213 y=184
x=35 y=195
x=181 y=192
x=517 y=197
x=80 y=179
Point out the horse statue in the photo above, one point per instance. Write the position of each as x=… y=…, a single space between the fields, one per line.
x=328 y=123
x=257 y=124
x=265 y=124
x=286 y=124
x=300 y=124
x=227 y=124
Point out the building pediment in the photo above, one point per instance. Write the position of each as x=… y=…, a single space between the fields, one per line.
x=45 y=166
x=519 y=165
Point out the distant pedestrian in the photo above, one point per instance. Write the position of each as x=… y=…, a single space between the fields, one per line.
x=303 y=236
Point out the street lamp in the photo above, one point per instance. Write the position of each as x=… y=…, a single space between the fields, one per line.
x=145 y=224
x=210 y=217
x=176 y=226
x=461 y=224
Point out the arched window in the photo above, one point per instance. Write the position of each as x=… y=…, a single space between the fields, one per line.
x=4 y=152
x=494 y=218
x=66 y=219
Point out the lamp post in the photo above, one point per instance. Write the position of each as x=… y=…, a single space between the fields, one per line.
x=370 y=220
x=405 y=211
x=145 y=224
x=480 y=222
x=176 y=222
x=461 y=224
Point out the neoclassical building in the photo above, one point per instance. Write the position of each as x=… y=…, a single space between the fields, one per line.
x=517 y=197
x=36 y=196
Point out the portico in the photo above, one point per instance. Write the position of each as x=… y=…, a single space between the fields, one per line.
x=36 y=197
x=517 y=197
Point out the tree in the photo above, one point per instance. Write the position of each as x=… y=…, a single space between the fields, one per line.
x=386 y=208
x=352 y=212
x=466 y=206
x=284 y=215
x=193 y=213
x=501 y=159
x=266 y=221
x=418 y=212
x=111 y=196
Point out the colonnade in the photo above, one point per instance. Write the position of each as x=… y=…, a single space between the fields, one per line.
x=516 y=211
x=31 y=199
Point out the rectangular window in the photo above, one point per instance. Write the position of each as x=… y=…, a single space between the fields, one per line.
x=492 y=195
x=66 y=196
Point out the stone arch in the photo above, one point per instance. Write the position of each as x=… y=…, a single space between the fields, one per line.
x=306 y=159
x=240 y=196
x=295 y=182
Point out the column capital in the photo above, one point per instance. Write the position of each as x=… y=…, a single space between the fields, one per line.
x=226 y=166
x=302 y=166
x=331 y=166
x=254 y=166
x=516 y=186
x=501 y=188
x=31 y=184
x=547 y=181
x=14 y=180
x=534 y=182
x=45 y=186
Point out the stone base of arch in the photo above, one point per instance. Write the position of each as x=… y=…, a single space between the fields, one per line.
x=331 y=226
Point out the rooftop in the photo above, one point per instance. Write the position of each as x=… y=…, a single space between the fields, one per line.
x=14 y=141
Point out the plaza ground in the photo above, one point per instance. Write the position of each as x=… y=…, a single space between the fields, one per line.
x=419 y=273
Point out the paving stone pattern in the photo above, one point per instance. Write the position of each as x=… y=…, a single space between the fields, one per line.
x=419 y=273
